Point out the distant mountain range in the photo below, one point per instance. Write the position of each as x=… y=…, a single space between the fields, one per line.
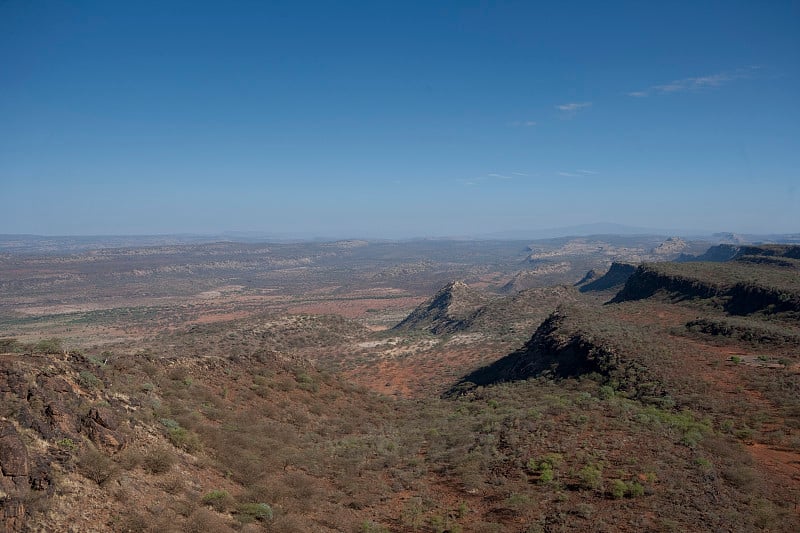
x=22 y=243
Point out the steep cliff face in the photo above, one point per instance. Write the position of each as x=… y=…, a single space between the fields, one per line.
x=647 y=280
x=740 y=287
x=746 y=298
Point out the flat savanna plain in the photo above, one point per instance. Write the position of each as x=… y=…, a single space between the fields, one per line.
x=266 y=387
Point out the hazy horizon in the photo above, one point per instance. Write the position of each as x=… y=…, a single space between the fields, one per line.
x=397 y=121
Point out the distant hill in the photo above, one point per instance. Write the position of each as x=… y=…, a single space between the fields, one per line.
x=616 y=277
x=528 y=279
x=590 y=276
x=729 y=252
x=457 y=308
x=756 y=281
x=572 y=342
x=670 y=247
x=448 y=311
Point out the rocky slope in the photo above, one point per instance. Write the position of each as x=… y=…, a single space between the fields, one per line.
x=740 y=287
x=456 y=308
x=616 y=277
x=448 y=311
x=52 y=405
x=568 y=344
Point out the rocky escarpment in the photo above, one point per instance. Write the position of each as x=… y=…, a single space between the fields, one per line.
x=448 y=311
x=647 y=280
x=763 y=333
x=456 y=308
x=616 y=277
x=730 y=252
x=740 y=287
x=565 y=345
x=587 y=278
x=49 y=410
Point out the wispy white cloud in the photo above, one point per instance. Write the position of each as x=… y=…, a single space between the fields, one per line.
x=573 y=107
x=695 y=84
x=492 y=176
x=524 y=123
x=580 y=173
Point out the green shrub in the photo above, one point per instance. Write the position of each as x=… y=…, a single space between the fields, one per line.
x=545 y=467
x=618 y=489
x=89 y=380
x=635 y=489
x=591 y=477
x=66 y=443
x=218 y=499
x=606 y=392
x=368 y=526
x=10 y=344
x=248 y=512
x=181 y=437
x=49 y=346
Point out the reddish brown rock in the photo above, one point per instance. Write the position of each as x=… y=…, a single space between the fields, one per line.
x=100 y=426
x=12 y=515
x=13 y=453
x=57 y=384
x=61 y=419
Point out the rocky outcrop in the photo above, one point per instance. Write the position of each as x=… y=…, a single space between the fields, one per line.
x=670 y=247
x=616 y=277
x=747 y=298
x=48 y=403
x=739 y=298
x=14 y=477
x=647 y=280
x=588 y=278
x=761 y=334
x=563 y=347
x=730 y=252
x=536 y=277
x=448 y=311
x=101 y=426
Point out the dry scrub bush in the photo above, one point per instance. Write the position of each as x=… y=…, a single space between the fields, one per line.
x=97 y=466
x=206 y=521
x=158 y=460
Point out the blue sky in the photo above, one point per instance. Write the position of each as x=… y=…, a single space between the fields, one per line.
x=397 y=119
